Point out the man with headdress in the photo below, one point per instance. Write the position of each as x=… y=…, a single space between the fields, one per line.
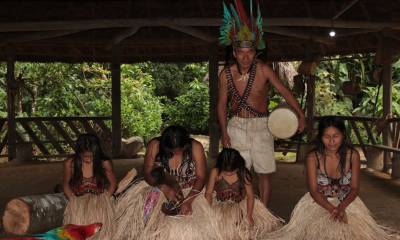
x=245 y=84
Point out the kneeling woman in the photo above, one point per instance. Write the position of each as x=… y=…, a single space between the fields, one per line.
x=230 y=193
x=332 y=208
x=143 y=211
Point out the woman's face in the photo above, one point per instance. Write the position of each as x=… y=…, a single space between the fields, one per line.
x=87 y=157
x=332 y=138
x=177 y=151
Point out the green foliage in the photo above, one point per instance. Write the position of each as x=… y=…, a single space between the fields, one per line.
x=172 y=80
x=141 y=110
x=369 y=106
x=190 y=109
x=58 y=89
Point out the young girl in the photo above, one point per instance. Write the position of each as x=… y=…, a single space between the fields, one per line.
x=89 y=183
x=332 y=209
x=240 y=215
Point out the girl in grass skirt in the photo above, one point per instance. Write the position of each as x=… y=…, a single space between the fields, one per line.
x=89 y=183
x=230 y=193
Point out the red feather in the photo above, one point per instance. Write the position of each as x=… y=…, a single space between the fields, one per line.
x=242 y=12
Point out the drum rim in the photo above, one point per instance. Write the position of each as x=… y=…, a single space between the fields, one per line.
x=290 y=110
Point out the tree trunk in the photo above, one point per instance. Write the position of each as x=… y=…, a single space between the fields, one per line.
x=34 y=214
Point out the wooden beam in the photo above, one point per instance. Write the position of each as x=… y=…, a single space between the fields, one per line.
x=26 y=37
x=194 y=32
x=122 y=36
x=299 y=34
x=35 y=26
x=341 y=12
x=116 y=101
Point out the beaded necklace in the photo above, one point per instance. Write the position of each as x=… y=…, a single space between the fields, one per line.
x=242 y=99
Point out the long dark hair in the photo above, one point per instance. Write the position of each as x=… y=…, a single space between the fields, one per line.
x=338 y=123
x=88 y=143
x=174 y=137
x=229 y=159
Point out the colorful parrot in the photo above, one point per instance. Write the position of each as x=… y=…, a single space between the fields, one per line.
x=67 y=232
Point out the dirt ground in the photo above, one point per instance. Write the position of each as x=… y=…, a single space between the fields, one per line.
x=381 y=195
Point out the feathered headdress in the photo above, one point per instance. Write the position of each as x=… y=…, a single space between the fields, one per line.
x=238 y=29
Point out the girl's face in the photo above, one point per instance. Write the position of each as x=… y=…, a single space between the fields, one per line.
x=87 y=157
x=229 y=173
x=332 y=139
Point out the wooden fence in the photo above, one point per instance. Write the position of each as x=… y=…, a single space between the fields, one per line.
x=53 y=136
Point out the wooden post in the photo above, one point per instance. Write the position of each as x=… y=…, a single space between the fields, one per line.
x=11 y=90
x=116 y=101
x=302 y=150
x=214 y=131
x=386 y=53
x=310 y=111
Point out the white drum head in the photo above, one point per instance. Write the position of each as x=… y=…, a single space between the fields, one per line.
x=283 y=123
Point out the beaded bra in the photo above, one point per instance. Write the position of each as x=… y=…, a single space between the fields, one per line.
x=333 y=187
x=87 y=185
x=185 y=173
x=228 y=192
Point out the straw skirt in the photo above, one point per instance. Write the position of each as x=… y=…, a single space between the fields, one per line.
x=91 y=208
x=309 y=221
x=233 y=223
x=139 y=216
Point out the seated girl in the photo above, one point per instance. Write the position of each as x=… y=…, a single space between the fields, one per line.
x=230 y=193
x=89 y=183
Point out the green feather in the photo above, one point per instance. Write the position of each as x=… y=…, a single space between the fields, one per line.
x=226 y=27
x=236 y=17
x=259 y=22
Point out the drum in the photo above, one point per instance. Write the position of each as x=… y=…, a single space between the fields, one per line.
x=283 y=122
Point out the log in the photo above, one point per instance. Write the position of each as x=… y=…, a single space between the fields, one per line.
x=34 y=214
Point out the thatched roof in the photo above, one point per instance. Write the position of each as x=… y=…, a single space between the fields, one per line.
x=181 y=30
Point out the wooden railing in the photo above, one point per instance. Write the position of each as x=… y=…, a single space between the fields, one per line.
x=53 y=136
x=367 y=131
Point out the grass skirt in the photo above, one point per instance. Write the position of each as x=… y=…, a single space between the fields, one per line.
x=136 y=220
x=233 y=223
x=91 y=208
x=309 y=221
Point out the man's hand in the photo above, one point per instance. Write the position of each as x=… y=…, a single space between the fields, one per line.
x=226 y=141
x=302 y=123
